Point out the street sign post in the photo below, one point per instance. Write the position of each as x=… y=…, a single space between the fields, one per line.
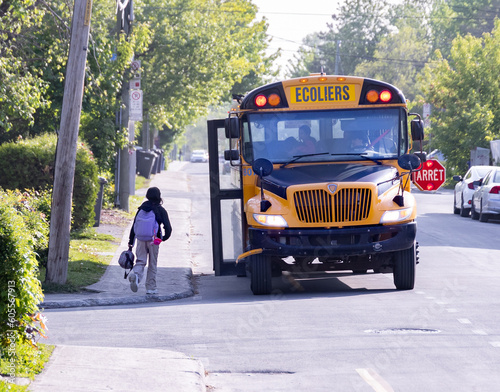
x=431 y=177
x=135 y=108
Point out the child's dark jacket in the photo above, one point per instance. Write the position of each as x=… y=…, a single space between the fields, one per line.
x=161 y=217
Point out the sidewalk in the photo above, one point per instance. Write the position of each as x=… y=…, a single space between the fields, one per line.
x=82 y=368
x=174 y=260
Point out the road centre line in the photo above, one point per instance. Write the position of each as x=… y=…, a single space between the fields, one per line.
x=495 y=344
x=464 y=321
x=375 y=380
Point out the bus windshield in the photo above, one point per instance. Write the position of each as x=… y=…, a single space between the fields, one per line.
x=316 y=136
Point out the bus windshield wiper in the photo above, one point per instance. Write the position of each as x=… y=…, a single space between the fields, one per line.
x=363 y=155
x=297 y=157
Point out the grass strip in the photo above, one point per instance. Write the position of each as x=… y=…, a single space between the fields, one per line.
x=29 y=361
x=89 y=255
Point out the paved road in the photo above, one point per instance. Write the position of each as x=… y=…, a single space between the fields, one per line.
x=331 y=332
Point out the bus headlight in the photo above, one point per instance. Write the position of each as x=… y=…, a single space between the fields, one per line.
x=270 y=220
x=396 y=215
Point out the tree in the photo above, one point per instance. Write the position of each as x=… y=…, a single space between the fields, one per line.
x=31 y=83
x=21 y=85
x=450 y=18
x=465 y=91
x=307 y=59
x=198 y=51
x=401 y=54
x=357 y=29
x=194 y=53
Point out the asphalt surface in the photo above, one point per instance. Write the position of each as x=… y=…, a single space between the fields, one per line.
x=84 y=368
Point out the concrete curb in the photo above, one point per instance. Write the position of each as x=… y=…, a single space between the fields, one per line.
x=83 y=368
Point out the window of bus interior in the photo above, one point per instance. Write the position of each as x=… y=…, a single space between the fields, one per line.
x=247 y=150
x=404 y=141
x=326 y=135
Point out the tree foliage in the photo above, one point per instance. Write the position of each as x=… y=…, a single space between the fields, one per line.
x=450 y=18
x=20 y=290
x=198 y=51
x=398 y=59
x=434 y=51
x=22 y=86
x=465 y=91
x=41 y=44
x=351 y=39
x=193 y=52
x=306 y=61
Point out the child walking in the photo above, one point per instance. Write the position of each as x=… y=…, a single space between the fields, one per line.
x=148 y=233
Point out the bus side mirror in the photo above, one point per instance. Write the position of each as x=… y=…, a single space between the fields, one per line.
x=409 y=162
x=231 y=155
x=232 y=126
x=417 y=129
x=263 y=167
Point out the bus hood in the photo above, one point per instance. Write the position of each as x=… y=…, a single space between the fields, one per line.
x=280 y=179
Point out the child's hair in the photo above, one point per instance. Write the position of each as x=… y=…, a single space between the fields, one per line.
x=154 y=195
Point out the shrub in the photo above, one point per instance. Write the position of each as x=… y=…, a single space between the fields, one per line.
x=20 y=290
x=34 y=208
x=29 y=164
x=85 y=189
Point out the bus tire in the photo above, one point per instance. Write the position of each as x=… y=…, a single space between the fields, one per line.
x=404 y=269
x=260 y=277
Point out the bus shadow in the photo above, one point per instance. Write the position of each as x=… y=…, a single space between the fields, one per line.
x=334 y=284
x=231 y=289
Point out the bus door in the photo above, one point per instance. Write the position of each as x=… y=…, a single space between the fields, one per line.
x=226 y=203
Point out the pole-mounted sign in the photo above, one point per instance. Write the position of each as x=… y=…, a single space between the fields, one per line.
x=135 y=107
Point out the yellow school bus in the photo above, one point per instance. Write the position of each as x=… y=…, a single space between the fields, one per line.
x=318 y=181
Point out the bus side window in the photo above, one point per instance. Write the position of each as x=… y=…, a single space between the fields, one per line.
x=248 y=151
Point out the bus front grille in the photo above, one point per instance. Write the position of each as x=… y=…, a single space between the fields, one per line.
x=320 y=206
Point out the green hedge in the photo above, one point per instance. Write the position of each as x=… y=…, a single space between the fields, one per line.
x=29 y=164
x=20 y=289
x=34 y=207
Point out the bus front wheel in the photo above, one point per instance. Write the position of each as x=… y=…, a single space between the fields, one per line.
x=404 y=269
x=260 y=274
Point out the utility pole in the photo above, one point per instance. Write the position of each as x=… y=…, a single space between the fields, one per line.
x=60 y=217
x=337 y=58
x=126 y=162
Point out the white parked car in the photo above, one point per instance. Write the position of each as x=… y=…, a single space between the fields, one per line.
x=486 y=199
x=199 y=156
x=465 y=188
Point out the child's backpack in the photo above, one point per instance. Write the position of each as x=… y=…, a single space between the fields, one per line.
x=126 y=261
x=145 y=226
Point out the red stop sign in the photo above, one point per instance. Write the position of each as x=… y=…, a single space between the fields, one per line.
x=431 y=176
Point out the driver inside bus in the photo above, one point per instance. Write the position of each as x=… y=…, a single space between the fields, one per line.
x=307 y=142
x=358 y=141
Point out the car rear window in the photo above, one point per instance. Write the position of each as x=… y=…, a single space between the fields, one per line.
x=482 y=171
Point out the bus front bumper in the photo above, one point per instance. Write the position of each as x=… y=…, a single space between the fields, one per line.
x=351 y=241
